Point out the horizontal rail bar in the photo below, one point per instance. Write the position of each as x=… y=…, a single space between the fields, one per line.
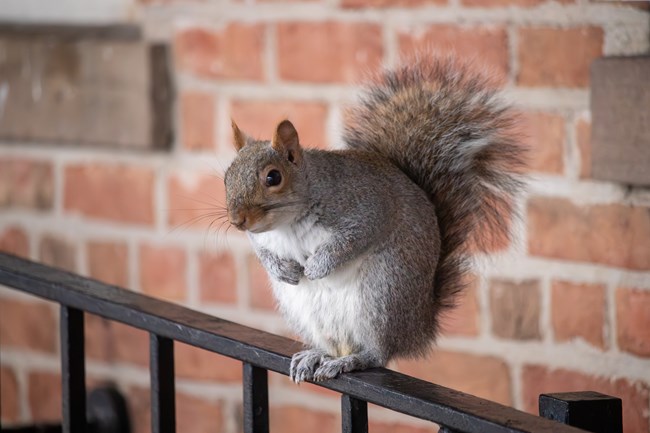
x=453 y=409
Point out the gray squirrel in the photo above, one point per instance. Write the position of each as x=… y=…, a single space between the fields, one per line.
x=367 y=246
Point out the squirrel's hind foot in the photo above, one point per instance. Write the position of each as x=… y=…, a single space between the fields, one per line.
x=317 y=365
x=305 y=363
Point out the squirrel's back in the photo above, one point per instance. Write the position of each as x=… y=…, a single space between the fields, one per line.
x=445 y=128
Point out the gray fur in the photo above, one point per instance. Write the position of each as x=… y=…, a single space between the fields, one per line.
x=366 y=247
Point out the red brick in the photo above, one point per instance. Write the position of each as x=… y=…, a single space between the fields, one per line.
x=114 y=342
x=44 y=395
x=193 y=415
x=391 y=3
x=544 y=133
x=380 y=427
x=108 y=262
x=112 y=192
x=28 y=325
x=611 y=234
x=557 y=57
x=197 y=121
x=465 y=318
x=258 y=119
x=486 y=47
x=199 y=364
x=232 y=52
x=484 y=376
x=294 y=419
x=58 y=252
x=9 y=409
x=217 y=277
x=26 y=183
x=537 y=380
x=261 y=294
x=14 y=240
x=162 y=272
x=515 y=309
x=197 y=415
x=587 y=321
x=502 y=3
x=328 y=51
x=196 y=201
x=633 y=321
x=583 y=136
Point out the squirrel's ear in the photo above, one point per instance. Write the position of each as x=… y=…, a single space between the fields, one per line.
x=239 y=137
x=285 y=141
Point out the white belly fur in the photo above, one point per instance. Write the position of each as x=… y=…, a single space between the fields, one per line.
x=325 y=312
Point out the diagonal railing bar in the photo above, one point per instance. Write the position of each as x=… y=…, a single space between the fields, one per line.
x=447 y=407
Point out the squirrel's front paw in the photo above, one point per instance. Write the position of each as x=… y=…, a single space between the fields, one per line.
x=316 y=268
x=290 y=272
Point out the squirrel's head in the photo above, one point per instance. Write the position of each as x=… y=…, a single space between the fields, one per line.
x=263 y=182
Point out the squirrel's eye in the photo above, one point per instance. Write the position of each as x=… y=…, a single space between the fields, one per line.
x=273 y=178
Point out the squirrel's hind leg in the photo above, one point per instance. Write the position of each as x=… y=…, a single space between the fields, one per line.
x=331 y=368
x=305 y=363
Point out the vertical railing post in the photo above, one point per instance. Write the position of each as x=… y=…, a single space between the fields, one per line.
x=163 y=397
x=588 y=410
x=73 y=370
x=256 y=399
x=354 y=415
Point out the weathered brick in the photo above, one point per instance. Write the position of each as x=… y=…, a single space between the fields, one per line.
x=465 y=318
x=583 y=136
x=197 y=121
x=258 y=119
x=196 y=201
x=633 y=320
x=217 y=277
x=484 y=376
x=14 y=240
x=328 y=51
x=44 y=396
x=515 y=308
x=545 y=137
x=121 y=193
x=557 y=57
x=486 y=46
x=261 y=294
x=114 y=342
x=295 y=419
x=391 y=3
x=587 y=321
x=162 y=272
x=537 y=380
x=28 y=325
x=232 y=52
x=199 y=364
x=9 y=409
x=26 y=183
x=58 y=252
x=108 y=262
x=611 y=234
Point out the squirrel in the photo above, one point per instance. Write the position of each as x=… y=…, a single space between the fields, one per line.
x=367 y=246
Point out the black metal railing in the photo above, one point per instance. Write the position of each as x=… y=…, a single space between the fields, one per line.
x=260 y=352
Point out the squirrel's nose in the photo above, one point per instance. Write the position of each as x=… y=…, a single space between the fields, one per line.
x=238 y=219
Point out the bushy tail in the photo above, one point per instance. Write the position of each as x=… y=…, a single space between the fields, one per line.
x=446 y=129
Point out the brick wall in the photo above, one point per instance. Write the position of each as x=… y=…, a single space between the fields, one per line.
x=566 y=307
